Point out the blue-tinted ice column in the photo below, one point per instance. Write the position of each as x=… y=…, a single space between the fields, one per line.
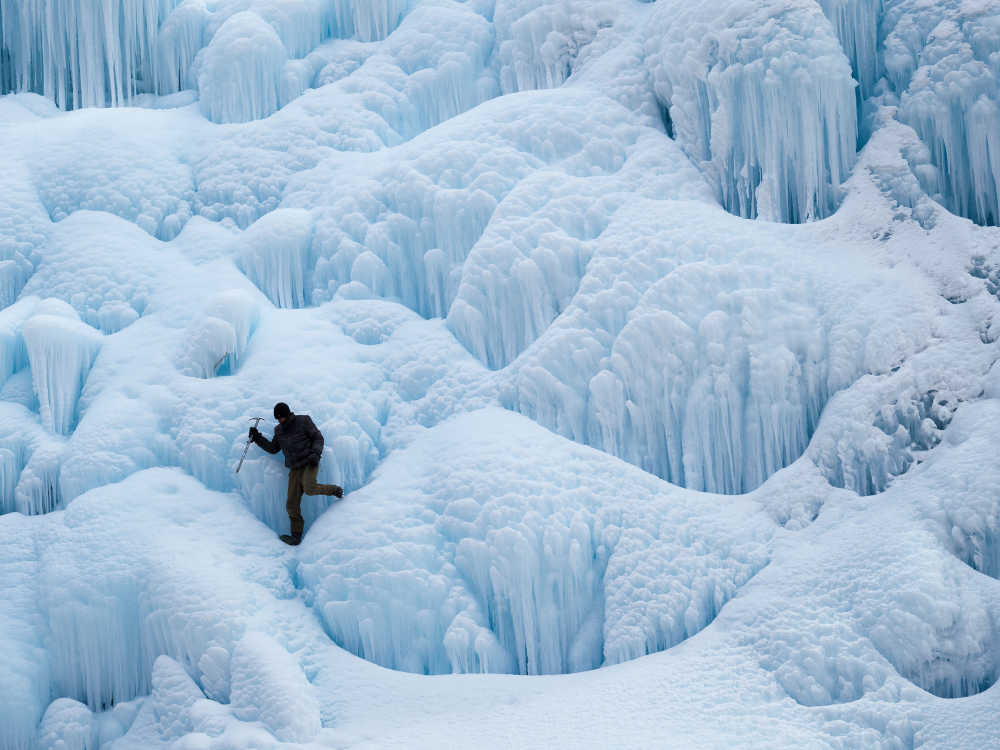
x=61 y=350
x=367 y=20
x=80 y=54
x=761 y=96
x=857 y=25
x=953 y=102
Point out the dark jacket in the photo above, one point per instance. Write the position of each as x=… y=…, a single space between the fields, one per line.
x=298 y=438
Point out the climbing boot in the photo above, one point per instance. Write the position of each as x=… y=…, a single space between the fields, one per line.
x=291 y=540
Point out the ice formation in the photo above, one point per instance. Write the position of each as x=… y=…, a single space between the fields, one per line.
x=61 y=351
x=774 y=124
x=248 y=50
x=952 y=101
x=217 y=342
x=81 y=56
x=718 y=342
x=500 y=253
x=533 y=584
x=267 y=685
x=275 y=255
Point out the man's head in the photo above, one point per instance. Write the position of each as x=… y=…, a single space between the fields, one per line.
x=282 y=412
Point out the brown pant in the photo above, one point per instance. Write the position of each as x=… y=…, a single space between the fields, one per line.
x=303 y=481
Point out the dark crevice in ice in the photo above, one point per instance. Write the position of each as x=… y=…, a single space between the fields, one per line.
x=665 y=118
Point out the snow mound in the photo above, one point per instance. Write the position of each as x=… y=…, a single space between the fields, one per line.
x=538 y=565
x=217 y=342
x=173 y=694
x=67 y=725
x=89 y=162
x=268 y=686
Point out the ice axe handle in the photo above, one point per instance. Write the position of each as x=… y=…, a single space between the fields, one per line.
x=256 y=421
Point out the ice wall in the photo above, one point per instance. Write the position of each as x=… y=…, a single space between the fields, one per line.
x=366 y=20
x=857 y=23
x=107 y=55
x=80 y=55
x=761 y=96
x=23 y=663
x=538 y=43
x=940 y=60
x=693 y=356
x=953 y=102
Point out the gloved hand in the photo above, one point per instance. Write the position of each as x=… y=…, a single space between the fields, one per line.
x=254 y=433
x=338 y=491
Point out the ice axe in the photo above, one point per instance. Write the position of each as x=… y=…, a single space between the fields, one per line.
x=256 y=421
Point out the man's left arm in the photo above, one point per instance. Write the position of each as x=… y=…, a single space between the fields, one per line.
x=315 y=441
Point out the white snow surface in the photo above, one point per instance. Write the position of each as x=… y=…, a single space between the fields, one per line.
x=655 y=346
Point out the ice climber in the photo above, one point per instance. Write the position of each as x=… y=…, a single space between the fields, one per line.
x=302 y=443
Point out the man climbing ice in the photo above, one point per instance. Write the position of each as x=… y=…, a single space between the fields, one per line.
x=302 y=443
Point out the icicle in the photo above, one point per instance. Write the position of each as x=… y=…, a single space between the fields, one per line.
x=60 y=351
x=857 y=25
x=80 y=54
x=37 y=490
x=275 y=254
x=773 y=124
x=367 y=20
x=180 y=39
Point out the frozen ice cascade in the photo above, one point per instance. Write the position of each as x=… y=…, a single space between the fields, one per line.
x=940 y=62
x=106 y=55
x=655 y=346
x=773 y=124
x=80 y=54
x=505 y=582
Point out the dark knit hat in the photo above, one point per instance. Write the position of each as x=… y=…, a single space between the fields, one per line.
x=281 y=410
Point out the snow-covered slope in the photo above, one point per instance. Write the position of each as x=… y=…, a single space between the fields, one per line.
x=655 y=345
